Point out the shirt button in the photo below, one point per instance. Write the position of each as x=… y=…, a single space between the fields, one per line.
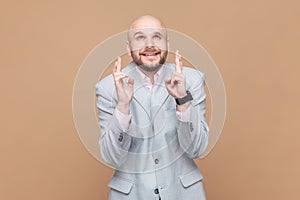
x=156 y=161
x=156 y=191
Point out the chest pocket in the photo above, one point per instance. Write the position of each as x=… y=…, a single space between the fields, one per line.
x=191 y=178
x=120 y=184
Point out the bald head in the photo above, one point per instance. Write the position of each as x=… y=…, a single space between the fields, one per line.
x=146 y=21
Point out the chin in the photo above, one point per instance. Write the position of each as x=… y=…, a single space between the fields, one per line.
x=150 y=67
x=150 y=64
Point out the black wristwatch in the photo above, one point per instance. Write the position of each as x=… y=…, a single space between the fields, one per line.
x=188 y=97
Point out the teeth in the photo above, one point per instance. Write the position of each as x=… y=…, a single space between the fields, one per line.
x=152 y=54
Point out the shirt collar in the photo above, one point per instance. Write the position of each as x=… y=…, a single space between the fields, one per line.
x=146 y=79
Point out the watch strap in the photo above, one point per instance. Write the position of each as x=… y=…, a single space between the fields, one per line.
x=188 y=97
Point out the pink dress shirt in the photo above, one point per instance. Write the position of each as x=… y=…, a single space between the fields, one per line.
x=124 y=119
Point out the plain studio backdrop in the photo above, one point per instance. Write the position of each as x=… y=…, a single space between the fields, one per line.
x=255 y=45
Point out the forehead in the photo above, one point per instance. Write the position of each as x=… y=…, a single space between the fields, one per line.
x=147 y=31
x=146 y=22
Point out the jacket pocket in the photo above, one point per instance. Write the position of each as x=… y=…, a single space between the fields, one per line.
x=120 y=184
x=191 y=178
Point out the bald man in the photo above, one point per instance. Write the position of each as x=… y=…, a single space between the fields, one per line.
x=152 y=120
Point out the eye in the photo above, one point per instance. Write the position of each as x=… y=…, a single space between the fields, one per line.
x=140 y=37
x=157 y=37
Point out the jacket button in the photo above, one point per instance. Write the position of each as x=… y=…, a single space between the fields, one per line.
x=191 y=127
x=156 y=161
x=156 y=191
x=120 y=137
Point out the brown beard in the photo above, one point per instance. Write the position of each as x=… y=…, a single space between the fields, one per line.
x=149 y=68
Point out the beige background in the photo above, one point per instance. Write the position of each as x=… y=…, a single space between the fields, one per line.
x=254 y=43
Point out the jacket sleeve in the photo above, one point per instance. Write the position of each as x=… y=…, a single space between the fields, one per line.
x=193 y=135
x=114 y=141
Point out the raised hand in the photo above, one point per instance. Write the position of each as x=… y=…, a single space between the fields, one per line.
x=175 y=84
x=124 y=90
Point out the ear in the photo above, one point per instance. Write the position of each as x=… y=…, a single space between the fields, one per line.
x=128 y=48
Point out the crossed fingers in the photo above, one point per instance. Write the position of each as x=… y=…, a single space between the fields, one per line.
x=118 y=75
x=178 y=62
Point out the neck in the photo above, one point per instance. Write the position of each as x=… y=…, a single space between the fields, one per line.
x=149 y=74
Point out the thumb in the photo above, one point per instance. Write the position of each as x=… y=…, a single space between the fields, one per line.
x=168 y=80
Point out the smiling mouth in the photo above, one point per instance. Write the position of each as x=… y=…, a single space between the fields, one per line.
x=150 y=53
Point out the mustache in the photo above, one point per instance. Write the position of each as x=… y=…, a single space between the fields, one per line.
x=153 y=51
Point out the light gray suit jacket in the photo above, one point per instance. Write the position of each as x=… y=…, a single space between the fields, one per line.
x=154 y=158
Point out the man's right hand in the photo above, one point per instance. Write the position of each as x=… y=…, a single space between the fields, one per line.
x=124 y=91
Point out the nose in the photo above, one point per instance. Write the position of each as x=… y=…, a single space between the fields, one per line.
x=149 y=43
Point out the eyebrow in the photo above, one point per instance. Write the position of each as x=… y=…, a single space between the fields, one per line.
x=158 y=33
x=139 y=32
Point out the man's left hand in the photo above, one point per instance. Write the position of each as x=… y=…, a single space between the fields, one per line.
x=176 y=84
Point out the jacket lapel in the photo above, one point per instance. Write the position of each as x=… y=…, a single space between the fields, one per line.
x=160 y=93
x=141 y=94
